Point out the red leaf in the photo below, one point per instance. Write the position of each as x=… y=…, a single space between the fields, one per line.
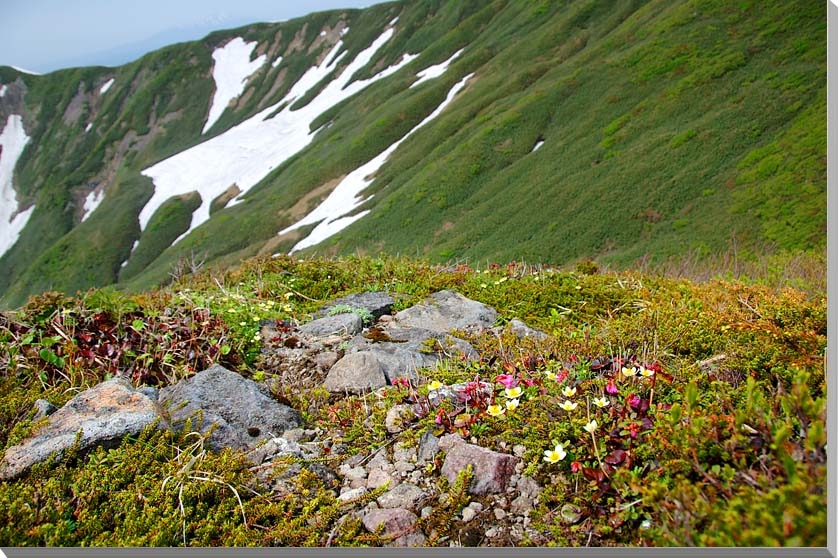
x=615 y=457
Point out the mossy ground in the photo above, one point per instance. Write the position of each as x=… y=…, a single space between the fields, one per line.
x=731 y=453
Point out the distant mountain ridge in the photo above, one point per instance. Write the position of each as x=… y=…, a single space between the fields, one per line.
x=549 y=131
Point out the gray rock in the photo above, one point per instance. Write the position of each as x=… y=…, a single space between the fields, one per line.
x=105 y=414
x=492 y=470
x=468 y=514
x=522 y=331
x=445 y=311
x=43 y=409
x=326 y=360
x=411 y=349
x=339 y=324
x=355 y=373
x=352 y=493
x=376 y=303
x=398 y=523
x=242 y=413
x=428 y=446
x=398 y=417
x=353 y=473
x=401 y=453
x=405 y=495
x=152 y=392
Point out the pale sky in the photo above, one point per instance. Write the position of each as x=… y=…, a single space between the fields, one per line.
x=46 y=35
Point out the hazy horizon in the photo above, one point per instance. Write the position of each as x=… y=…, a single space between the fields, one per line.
x=47 y=35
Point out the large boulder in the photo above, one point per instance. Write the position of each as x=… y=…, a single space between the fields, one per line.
x=445 y=311
x=104 y=415
x=242 y=413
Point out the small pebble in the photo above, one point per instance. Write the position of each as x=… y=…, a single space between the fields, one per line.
x=468 y=514
x=499 y=514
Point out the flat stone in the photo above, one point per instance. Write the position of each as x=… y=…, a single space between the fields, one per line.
x=105 y=414
x=492 y=470
x=445 y=311
x=326 y=360
x=379 y=477
x=405 y=495
x=355 y=373
x=339 y=324
x=242 y=413
x=377 y=303
x=397 y=522
x=398 y=417
x=352 y=494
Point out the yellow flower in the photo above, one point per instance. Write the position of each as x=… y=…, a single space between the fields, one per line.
x=647 y=373
x=591 y=426
x=512 y=393
x=555 y=455
x=601 y=402
x=436 y=384
x=512 y=404
x=630 y=371
x=569 y=391
x=568 y=405
x=495 y=410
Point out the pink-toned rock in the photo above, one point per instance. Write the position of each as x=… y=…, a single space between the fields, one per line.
x=105 y=414
x=492 y=470
x=397 y=522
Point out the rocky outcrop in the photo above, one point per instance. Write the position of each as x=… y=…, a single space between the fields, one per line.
x=100 y=416
x=239 y=412
x=445 y=311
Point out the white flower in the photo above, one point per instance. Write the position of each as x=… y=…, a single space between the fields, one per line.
x=555 y=455
x=591 y=426
x=601 y=402
x=569 y=391
x=568 y=405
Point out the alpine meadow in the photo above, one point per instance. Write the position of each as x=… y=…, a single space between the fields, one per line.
x=428 y=273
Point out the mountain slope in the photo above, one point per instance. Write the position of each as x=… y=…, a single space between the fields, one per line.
x=551 y=131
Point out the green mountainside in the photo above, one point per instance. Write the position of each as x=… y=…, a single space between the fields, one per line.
x=668 y=128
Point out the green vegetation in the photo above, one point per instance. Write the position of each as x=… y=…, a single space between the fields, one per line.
x=669 y=128
x=734 y=444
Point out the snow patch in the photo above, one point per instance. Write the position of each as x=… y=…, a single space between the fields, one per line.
x=91 y=202
x=322 y=33
x=25 y=71
x=538 y=144
x=246 y=153
x=276 y=62
x=344 y=199
x=2 y=91
x=105 y=86
x=231 y=70
x=13 y=139
x=436 y=70
x=395 y=19
x=88 y=127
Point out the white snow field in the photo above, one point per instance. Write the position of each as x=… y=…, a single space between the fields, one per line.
x=277 y=62
x=436 y=70
x=91 y=202
x=249 y=151
x=231 y=70
x=538 y=144
x=25 y=71
x=2 y=90
x=88 y=127
x=13 y=139
x=345 y=197
x=105 y=86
